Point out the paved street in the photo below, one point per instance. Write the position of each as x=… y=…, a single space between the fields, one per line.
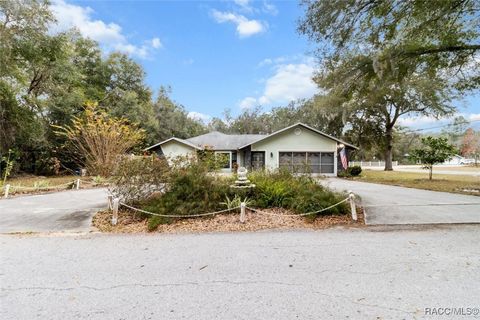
x=399 y=205
x=370 y=273
x=59 y=211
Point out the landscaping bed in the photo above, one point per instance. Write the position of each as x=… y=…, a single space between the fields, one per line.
x=129 y=222
x=170 y=194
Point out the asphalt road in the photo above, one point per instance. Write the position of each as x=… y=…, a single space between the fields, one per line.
x=386 y=204
x=58 y=211
x=367 y=273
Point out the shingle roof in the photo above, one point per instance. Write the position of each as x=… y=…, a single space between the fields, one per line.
x=221 y=141
x=173 y=138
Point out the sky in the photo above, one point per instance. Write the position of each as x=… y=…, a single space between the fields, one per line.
x=215 y=55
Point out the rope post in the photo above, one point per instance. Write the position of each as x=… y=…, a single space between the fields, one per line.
x=242 y=212
x=77 y=184
x=7 y=189
x=110 y=201
x=116 y=203
x=353 y=208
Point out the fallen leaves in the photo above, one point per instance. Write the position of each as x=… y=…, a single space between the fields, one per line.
x=131 y=223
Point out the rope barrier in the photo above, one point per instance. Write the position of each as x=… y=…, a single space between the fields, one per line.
x=41 y=188
x=177 y=216
x=300 y=214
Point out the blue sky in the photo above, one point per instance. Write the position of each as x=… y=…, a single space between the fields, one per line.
x=214 y=54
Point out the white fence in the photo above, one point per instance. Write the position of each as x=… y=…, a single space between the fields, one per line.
x=370 y=163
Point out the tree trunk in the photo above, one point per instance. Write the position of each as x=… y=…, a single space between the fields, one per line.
x=388 y=148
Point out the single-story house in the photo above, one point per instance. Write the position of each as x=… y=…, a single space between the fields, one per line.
x=298 y=148
x=458 y=160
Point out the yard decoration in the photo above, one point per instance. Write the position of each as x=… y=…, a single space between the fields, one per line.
x=242 y=181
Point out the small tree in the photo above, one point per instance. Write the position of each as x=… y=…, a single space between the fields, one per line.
x=98 y=140
x=435 y=150
x=470 y=144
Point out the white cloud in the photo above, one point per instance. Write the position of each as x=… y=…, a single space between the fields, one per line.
x=273 y=61
x=188 y=61
x=289 y=82
x=248 y=103
x=245 y=27
x=473 y=116
x=429 y=121
x=269 y=8
x=156 y=43
x=244 y=4
x=199 y=116
x=108 y=35
x=417 y=121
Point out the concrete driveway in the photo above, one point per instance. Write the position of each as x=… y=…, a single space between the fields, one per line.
x=367 y=273
x=60 y=211
x=386 y=204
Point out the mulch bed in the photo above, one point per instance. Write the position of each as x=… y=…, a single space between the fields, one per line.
x=128 y=222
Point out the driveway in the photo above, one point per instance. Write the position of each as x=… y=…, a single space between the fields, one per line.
x=386 y=204
x=60 y=211
x=367 y=273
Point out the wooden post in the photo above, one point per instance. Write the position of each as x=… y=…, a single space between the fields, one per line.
x=116 y=203
x=353 y=208
x=77 y=184
x=7 y=189
x=110 y=200
x=242 y=212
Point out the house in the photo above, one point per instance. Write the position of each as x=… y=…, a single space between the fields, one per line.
x=458 y=160
x=298 y=148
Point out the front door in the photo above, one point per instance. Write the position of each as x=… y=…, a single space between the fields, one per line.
x=258 y=160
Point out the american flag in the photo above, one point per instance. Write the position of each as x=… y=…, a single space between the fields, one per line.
x=343 y=158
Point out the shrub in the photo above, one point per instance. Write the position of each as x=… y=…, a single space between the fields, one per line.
x=236 y=201
x=135 y=179
x=354 y=171
x=272 y=189
x=98 y=140
x=191 y=190
x=299 y=193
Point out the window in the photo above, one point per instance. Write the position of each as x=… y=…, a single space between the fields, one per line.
x=234 y=159
x=314 y=162
x=327 y=162
x=307 y=162
x=285 y=161
x=223 y=159
x=299 y=162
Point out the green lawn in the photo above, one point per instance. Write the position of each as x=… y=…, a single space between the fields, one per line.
x=26 y=184
x=441 y=182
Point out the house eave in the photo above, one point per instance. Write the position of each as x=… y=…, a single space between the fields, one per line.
x=173 y=139
x=305 y=126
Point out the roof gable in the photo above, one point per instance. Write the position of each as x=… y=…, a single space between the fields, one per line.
x=185 y=142
x=304 y=126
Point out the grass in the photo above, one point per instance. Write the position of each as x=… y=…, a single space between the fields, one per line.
x=462 y=168
x=30 y=181
x=46 y=183
x=441 y=182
